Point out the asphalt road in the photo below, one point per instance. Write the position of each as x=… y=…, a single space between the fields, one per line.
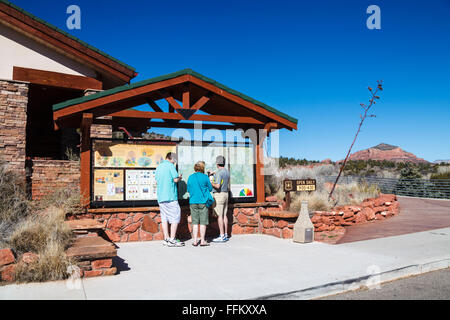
x=428 y=286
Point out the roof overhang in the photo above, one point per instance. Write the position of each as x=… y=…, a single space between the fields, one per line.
x=64 y=43
x=186 y=92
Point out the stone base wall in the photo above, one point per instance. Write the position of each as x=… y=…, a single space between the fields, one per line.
x=383 y=207
x=49 y=175
x=144 y=224
x=13 y=122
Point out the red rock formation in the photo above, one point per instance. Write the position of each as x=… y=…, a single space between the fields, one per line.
x=386 y=152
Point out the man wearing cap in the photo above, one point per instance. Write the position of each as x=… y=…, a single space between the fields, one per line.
x=220 y=194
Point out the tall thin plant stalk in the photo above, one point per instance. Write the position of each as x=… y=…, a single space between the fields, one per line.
x=363 y=117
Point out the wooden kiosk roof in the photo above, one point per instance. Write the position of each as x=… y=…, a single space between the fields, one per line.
x=193 y=90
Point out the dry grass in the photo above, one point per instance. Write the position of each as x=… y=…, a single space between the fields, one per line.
x=344 y=194
x=37 y=227
x=66 y=199
x=52 y=264
x=14 y=206
x=34 y=233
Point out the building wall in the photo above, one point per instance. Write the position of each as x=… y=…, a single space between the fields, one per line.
x=13 y=120
x=50 y=175
x=22 y=51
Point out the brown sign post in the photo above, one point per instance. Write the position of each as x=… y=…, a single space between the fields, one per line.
x=297 y=186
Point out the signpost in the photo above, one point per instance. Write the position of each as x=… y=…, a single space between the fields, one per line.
x=297 y=186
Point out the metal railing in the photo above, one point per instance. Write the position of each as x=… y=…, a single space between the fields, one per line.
x=435 y=188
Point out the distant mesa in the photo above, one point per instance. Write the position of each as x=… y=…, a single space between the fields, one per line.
x=387 y=152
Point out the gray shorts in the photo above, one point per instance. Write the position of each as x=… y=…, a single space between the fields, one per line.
x=170 y=211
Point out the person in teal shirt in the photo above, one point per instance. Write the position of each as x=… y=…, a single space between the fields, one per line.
x=166 y=192
x=199 y=187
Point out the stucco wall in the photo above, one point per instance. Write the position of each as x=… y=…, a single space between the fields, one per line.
x=22 y=51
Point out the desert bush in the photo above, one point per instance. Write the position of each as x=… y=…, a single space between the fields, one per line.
x=442 y=172
x=14 y=205
x=35 y=232
x=52 y=264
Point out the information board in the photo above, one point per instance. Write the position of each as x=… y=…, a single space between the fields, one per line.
x=108 y=185
x=125 y=171
x=239 y=162
x=140 y=185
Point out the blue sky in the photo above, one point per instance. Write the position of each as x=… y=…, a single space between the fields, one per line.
x=310 y=59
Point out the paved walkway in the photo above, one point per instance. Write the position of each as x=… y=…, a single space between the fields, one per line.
x=251 y=267
x=416 y=215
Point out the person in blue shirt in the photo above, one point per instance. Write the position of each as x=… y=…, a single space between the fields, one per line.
x=166 y=192
x=199 y=187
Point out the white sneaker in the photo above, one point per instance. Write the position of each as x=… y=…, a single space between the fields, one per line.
x=219 y=239
x=174 y=243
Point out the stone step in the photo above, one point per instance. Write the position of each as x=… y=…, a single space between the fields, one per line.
x=91 y=248
x=85 y=225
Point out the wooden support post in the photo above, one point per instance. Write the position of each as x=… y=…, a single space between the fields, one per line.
x=85 y=158
x=260 y=189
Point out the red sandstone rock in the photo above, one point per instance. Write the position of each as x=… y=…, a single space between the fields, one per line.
x=249 y=211
x=103 y=263
x=360 y=217
x=149 y=225
x=326 y=221
x=249 y=230
x=127 y=222
x=6 y=257
x=369 y=213
x=144 y=236
x=138 y=216
x=124 y=237
x=158 y=236
x=316 y=219
x=92 y=273
x=132 y=227
x=115 y=224
x=29 y=257
x=380 y=209
x=281 y=224
x=348 y=214
x=368 y=203
x=134 y=236
x=242 y=219
x=113 y=236
x=271 y=199
x=8 y=273
x=110 y=272
x=287 y=233
x=276 y=232
x=237 y=229
x=122 y=216
x=268 y=223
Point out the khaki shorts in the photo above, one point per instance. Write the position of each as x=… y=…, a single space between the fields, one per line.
x=220 y=203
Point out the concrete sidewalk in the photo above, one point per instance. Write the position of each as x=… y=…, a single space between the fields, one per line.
x=252 y=267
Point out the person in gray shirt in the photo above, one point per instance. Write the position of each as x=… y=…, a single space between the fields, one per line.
x=220 y=193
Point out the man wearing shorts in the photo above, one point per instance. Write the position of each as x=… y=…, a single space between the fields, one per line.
x=220 y=194
x=166 y=192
